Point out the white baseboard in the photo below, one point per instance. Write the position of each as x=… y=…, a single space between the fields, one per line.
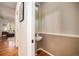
x=45 y=51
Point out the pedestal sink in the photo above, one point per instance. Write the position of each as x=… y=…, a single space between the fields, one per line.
x=38 y=37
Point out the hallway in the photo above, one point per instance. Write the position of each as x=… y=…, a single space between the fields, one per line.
x=7 y=47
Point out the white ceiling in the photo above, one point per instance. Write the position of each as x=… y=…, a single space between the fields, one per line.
x=8 y=4
x=7 y=10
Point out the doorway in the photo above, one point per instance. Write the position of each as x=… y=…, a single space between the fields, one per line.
x=7 y=29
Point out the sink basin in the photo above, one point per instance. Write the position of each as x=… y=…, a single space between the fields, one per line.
x=38 y=38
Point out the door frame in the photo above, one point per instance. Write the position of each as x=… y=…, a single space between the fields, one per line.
x=25 y=41
x=31 y=29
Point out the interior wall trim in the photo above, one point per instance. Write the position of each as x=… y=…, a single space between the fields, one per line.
x=59 y=34
x=45 y=51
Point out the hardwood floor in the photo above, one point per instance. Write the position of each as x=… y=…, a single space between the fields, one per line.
x=7 y=47
x=42 y=53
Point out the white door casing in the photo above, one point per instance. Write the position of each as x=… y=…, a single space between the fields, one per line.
x=25 y=31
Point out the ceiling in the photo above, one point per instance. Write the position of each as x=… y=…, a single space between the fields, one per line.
x=8 y=4
x=7 y=10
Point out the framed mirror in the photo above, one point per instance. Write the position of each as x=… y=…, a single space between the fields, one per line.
x=36 y=19
x=21 y=12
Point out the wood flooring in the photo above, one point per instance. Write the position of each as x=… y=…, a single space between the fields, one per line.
x=7 y=47
x=42 y=53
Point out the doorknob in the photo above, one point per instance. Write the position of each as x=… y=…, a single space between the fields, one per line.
x=32 y=41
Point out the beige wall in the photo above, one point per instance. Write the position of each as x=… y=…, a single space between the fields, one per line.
x=78 y=47
x=59 y=45
x=58 y=17
x=78 y=29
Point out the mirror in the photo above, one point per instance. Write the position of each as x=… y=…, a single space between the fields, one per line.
x=21 y=12
x=36 y=19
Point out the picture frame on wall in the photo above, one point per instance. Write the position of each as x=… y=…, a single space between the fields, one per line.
x=21 y=12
